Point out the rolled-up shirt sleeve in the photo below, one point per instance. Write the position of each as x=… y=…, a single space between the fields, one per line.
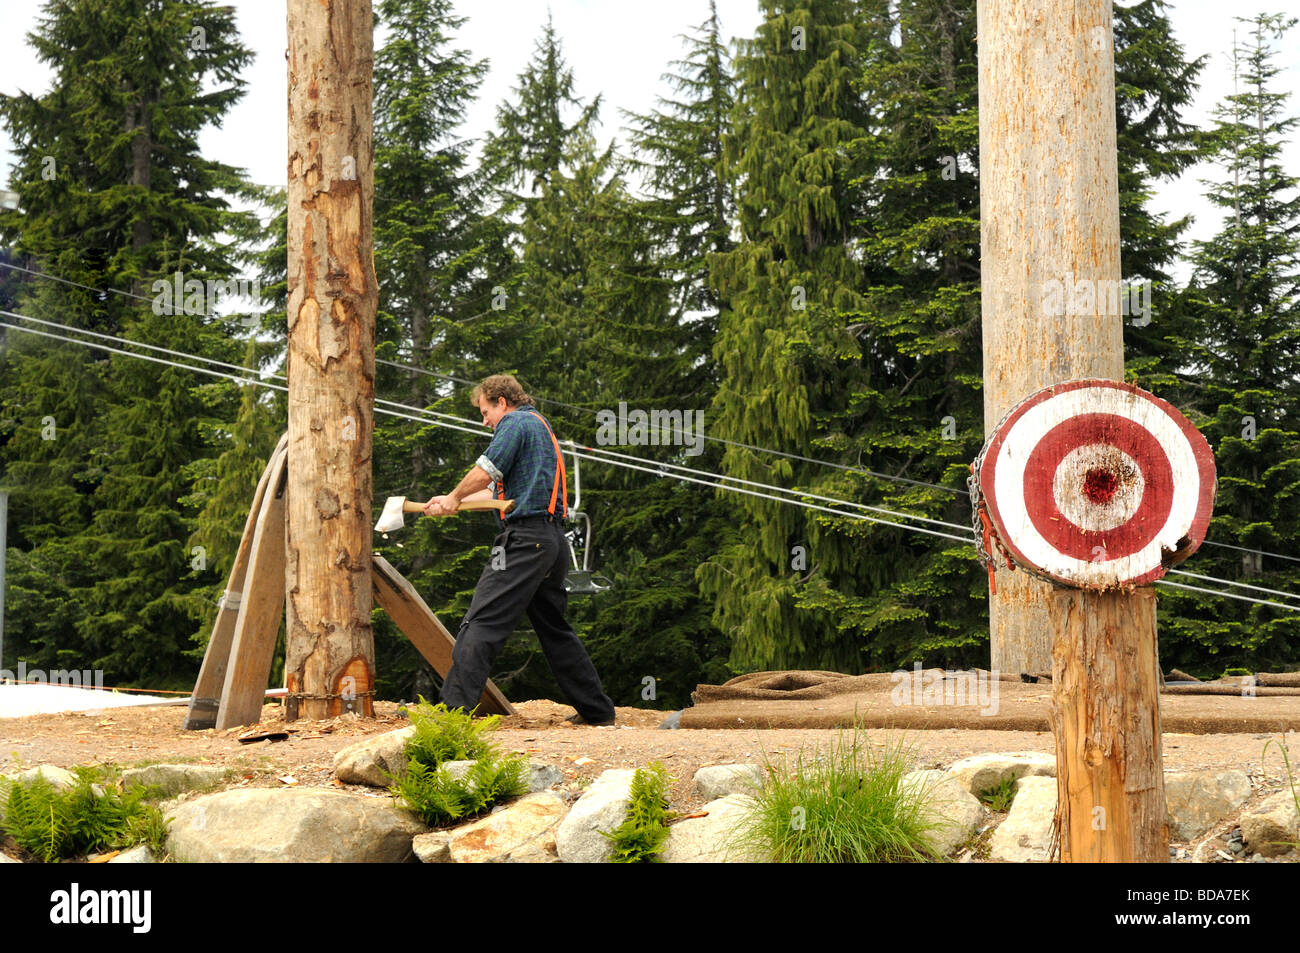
x=486 y=465
x=500 y=454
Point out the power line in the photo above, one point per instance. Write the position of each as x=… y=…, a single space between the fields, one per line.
x=722 y=440
x=240 y=368
x=603 y=456
x=394 y=404
x=1243 y=585
x=549 y=401
x=587 y=410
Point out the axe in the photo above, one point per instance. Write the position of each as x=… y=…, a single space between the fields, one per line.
x=395 y=510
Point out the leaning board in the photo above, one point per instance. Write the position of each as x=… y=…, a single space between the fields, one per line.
x=412 y=615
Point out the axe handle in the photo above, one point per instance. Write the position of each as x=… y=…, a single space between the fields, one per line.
x=505 y=506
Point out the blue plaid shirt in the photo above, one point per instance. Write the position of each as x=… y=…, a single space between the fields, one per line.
x=522 y=459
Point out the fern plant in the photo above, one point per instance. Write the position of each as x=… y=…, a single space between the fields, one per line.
x=641 y=838
x=54 y=825
x=448 y=735
x=429 y=789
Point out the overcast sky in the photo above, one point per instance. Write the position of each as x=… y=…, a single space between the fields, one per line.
x=618 y=49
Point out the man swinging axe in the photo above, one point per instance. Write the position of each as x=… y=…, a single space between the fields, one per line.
x=529 y=560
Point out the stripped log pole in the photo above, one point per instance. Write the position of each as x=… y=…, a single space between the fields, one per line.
x=1049 y=212
x=329 y=659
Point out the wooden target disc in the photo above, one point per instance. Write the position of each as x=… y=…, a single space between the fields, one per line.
x=1096 y=484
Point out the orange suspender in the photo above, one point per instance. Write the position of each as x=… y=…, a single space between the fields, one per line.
x=560 y=476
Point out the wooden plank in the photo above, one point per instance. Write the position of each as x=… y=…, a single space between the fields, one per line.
x=253 y=641
x=212 y=673
x=430 y=637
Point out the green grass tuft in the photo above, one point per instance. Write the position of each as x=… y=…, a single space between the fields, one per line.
x=1000 y=796
x=846 y=806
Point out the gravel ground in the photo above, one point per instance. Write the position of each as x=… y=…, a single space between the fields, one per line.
x=132 y=736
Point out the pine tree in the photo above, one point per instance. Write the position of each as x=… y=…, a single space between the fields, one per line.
x=434 y=252
x=1154 y=84
x=785 y=358
x=116 y=194
x=917 y=414
x=1241 y=368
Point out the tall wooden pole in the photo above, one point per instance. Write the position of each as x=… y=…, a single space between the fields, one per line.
x=1049 y=212
x=329 y=662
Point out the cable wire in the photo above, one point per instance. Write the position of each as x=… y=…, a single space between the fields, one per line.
x=598 y=455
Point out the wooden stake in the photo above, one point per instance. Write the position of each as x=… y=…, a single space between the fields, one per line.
x=1106 y=719
x=331 y=314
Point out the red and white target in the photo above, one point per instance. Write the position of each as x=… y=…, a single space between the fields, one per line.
x=1097 y=484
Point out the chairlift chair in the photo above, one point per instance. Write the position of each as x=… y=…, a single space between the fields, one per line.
x=581 y=581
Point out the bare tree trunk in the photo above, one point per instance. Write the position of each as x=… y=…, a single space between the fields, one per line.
x=329 y=660
x=1109 y=765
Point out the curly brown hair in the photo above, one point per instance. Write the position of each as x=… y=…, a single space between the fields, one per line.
x=500 y=385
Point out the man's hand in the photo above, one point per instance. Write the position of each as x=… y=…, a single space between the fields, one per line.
x=442 y=506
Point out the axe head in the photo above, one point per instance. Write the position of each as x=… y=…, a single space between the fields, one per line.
x=393 y=517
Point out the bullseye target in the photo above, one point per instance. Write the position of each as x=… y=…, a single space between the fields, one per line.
x=1096 y=484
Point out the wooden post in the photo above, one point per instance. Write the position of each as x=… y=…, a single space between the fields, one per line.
x=1049 y=213
x=329 y=662
x=1109 y=767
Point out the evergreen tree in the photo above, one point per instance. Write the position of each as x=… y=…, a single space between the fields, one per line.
x=918 y=411
x=115 y=194
x=1241 y=365
x=1154 y=84
x=785 y=358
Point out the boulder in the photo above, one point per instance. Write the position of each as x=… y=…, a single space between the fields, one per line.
x=523 y=831
x=292 y=825
x=172 y=779
x=371 y=760
x=673 y=721
x=1026 y=834
x=60 y=778
x=542 y=776
x=980 y=772
x=1198 y=800
x=457 y=769
x=602 y=807
x=711 y=839
x=431 y=848
x=719 y=780
x=956 y=811
x=1272 y=828
x=6 y=859
x=139 y=854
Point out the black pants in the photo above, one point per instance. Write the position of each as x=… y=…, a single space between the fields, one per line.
x=525 y=573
